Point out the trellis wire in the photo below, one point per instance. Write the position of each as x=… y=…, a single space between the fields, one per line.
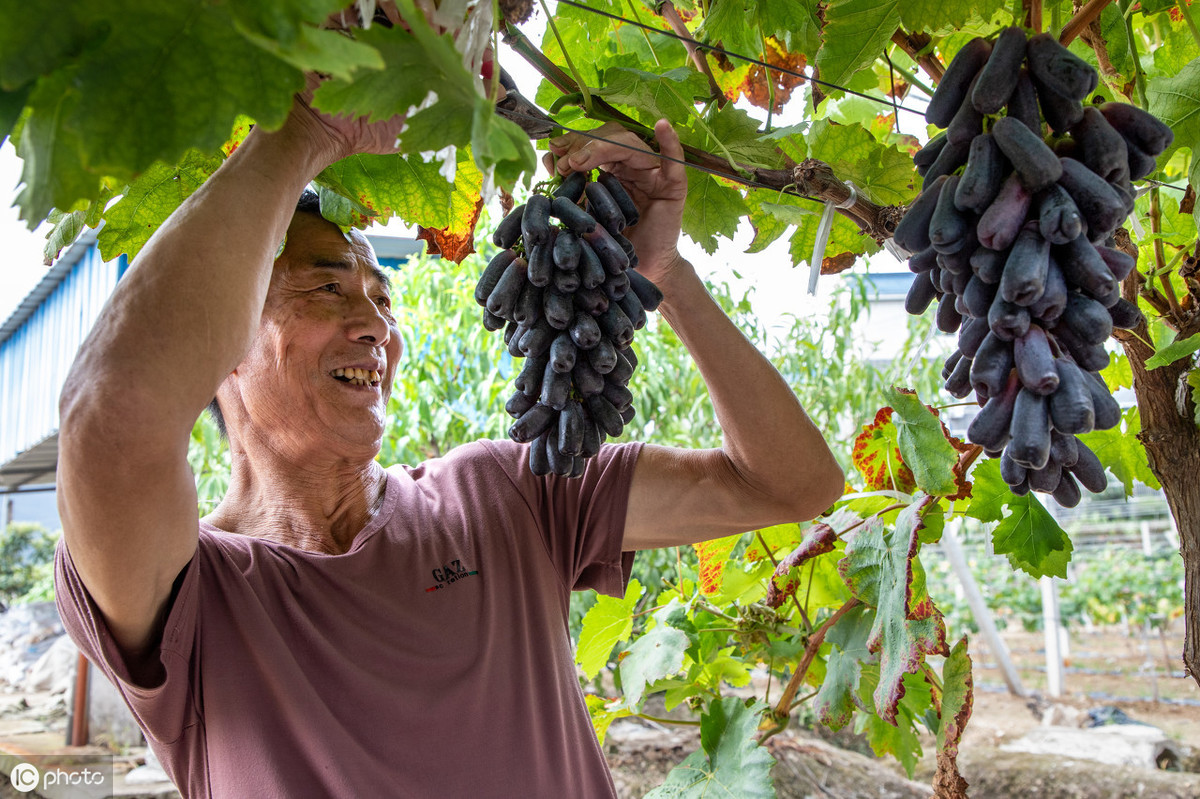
x=749 y=59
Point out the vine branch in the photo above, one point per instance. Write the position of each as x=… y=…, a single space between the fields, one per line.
x=916 y=46
x=1083 y=17
x=784 y=706
x=667 y=11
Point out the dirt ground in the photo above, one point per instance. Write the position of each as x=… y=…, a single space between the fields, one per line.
x=1104 y=670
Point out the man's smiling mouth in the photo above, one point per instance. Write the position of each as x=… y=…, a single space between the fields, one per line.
x=357 y=377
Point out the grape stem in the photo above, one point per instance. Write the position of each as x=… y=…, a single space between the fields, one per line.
x=804 y=616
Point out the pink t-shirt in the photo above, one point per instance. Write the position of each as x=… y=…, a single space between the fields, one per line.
x=431 y=660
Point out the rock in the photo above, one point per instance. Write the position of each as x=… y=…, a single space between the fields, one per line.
x=151 y=772
x=1114 y=745
x=1063 y=716
x=995 y=774
x=54 y=671
x=26 y=632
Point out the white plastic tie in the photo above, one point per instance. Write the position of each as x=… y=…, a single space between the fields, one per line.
x=849 y=202
x=814 y=266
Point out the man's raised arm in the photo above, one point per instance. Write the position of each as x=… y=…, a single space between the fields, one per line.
x=774 y=465
x=179 y=322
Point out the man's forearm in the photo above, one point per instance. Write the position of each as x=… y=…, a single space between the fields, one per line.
x=182 y=317
x=767 y=435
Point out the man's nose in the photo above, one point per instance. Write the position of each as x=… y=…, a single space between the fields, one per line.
x=368 y=321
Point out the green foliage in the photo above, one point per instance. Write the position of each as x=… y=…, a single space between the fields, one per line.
x=27 y=555
x=729 y=763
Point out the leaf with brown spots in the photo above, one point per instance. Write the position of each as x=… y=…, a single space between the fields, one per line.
x=876 y=456
x=454 y=245
x=818 y=539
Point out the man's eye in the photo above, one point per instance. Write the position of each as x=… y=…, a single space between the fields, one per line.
x=330 y=287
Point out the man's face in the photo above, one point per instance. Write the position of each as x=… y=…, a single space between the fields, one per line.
x=320 y=370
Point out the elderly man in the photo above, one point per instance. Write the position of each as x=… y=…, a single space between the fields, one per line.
x=335 y=628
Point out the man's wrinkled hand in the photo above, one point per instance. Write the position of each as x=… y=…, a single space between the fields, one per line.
x=657 y=185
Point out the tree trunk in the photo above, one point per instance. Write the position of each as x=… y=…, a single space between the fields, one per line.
x=1172 y=442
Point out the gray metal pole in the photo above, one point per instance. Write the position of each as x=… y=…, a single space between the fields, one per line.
x=983 y=615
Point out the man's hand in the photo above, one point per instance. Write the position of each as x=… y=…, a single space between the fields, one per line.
x=336 y=136
x=657 y=185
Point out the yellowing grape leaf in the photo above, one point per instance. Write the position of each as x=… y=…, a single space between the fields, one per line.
x=876 y=456
x=713 y=555
x=606 y=623
x=603 y=713
x=149 y=200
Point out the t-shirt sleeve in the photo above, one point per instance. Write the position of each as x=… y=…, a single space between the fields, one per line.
x=163 y=710
x=582 y=520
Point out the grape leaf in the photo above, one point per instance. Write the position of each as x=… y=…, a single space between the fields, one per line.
x=877 y=458
x=958 y=695
x=36 y=39
x=175 y=79
x=1122 y=453
x=51 y=151
x=407 y=187
x=1174 y=351
x=726 y=23
x=898 y=738
x=606 y=623
x=943 y=15
x=879 y=568
x=711 y=209
x=149 y=200
x=713 y=555
x=603 y=713
x=653 y=656
x=1032 y=539
x=1118 y=374
x=282 y=20
x=326 y=51
x=844 y=237
x=883 y=173
x=855 y=34
x=924 y=446
x=989 y=493
x=780 y=536
x=653 y=96
x=11 y=105
x=1176 y=101
x=834 y=703
x=737 y=132
x=730 y=762
x=378 y=95
x=818 y=540
x=793 y=22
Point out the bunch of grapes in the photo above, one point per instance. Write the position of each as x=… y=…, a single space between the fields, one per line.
x=565 y=291
x=1012 y=235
